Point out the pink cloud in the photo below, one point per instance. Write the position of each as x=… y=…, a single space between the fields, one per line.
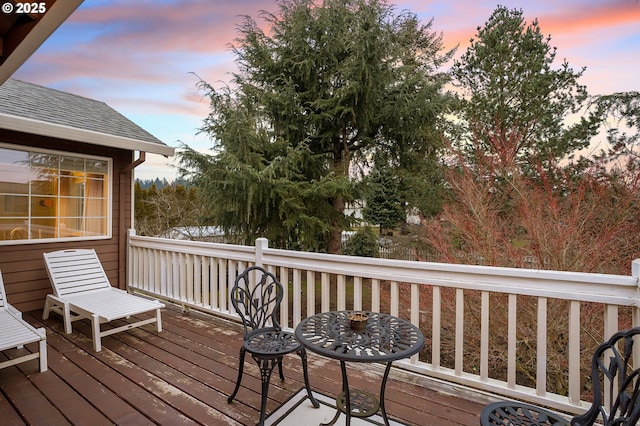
x=583 y=19
x=198 y=26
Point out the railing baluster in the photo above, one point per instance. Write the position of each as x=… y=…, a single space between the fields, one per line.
x=162 y=264
x=341 y=292
x=159 y=283
x=297 y=296
x=395 y=298
x=541 y=348
x=284 y=312
x=459 y=337
x=415 y=312
x=375 y=295
x=574 y=352
x=175 y=276
x=197 y=280
x=205 y=281
x=435 y=328
x=214 y=283
x=223 y=297
x=357 y=293
x=325 y=291
x=485 y=318
x=610 y=327
x=145 y=276
x=311 y=293
x=189 y=284
x=512 y=355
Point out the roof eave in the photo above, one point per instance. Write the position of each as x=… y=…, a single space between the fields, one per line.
x=42 y=128
x=52 y=19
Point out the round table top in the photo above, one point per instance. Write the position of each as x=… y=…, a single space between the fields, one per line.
x=385 y=338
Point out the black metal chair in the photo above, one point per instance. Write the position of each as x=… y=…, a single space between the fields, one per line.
x=611 y=372
x=514 y=413
x=256 y=297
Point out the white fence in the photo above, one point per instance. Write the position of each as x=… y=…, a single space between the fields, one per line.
x=199 y=275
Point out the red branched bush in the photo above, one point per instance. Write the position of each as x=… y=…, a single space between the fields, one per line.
x=503 y=211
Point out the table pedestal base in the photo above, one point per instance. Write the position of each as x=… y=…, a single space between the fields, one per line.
x=359 y=403
x=363 y=403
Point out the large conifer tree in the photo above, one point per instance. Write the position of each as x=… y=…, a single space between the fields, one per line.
x=320 y=90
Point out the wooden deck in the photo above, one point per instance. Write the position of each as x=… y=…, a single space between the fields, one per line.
x=184 y=375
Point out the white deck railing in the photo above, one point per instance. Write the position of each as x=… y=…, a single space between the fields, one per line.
x=199 y=275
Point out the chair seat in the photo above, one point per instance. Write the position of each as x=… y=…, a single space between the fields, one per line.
x=111 y=304
x=16 y=332
x=272 y=343
x=519 y=414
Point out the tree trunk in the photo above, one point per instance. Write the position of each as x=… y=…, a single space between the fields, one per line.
x=335 y=237
x=340 y=168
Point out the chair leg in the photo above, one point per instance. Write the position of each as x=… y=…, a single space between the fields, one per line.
x=280 y=369
x=266 y=368
x=240 y=370
x=97 y=338
x=303 y=356
x=67 y=318
x=46 y=309
x=158 y=320
x=43 y=354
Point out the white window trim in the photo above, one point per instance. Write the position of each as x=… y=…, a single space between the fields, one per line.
x=109 y=183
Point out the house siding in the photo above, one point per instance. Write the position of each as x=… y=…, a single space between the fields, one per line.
x=22 y=265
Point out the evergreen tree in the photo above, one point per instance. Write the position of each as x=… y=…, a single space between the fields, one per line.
x=320 y=93
x=512 y=92
x=383 y=204
x=363 y=243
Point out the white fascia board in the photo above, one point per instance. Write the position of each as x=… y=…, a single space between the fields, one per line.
x=42 y=128
x=53 y=18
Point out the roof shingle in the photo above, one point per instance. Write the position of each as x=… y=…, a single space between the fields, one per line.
x=27 y=100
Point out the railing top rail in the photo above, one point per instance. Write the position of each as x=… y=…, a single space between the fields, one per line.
x=586 y=287
x=226 y=251
x=615 y=289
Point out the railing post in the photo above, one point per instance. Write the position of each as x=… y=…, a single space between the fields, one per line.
x=635 y=273
x=129 y=261
x=635 y=270
x=261 y=244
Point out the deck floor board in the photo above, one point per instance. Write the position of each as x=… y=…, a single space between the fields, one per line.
x=184 y=374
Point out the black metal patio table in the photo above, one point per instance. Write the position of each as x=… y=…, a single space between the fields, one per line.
x=384 y=339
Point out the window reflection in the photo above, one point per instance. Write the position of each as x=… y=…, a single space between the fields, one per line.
x=47 y=195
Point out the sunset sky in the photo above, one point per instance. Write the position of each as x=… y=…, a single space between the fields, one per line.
x=140 y=56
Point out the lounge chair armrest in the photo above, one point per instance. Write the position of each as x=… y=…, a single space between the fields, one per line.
x=56 y=299
x=13 y=311
x=42 y=332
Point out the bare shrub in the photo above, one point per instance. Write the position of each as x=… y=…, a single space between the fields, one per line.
x=578 y=217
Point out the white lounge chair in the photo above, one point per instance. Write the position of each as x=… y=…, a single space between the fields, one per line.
x=82 y=290
x=16 y=332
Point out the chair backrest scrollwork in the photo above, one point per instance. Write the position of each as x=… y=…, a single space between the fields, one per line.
x=256 y=296
x=616 y=383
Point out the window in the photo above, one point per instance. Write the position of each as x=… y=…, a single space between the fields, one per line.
x=47 y=195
